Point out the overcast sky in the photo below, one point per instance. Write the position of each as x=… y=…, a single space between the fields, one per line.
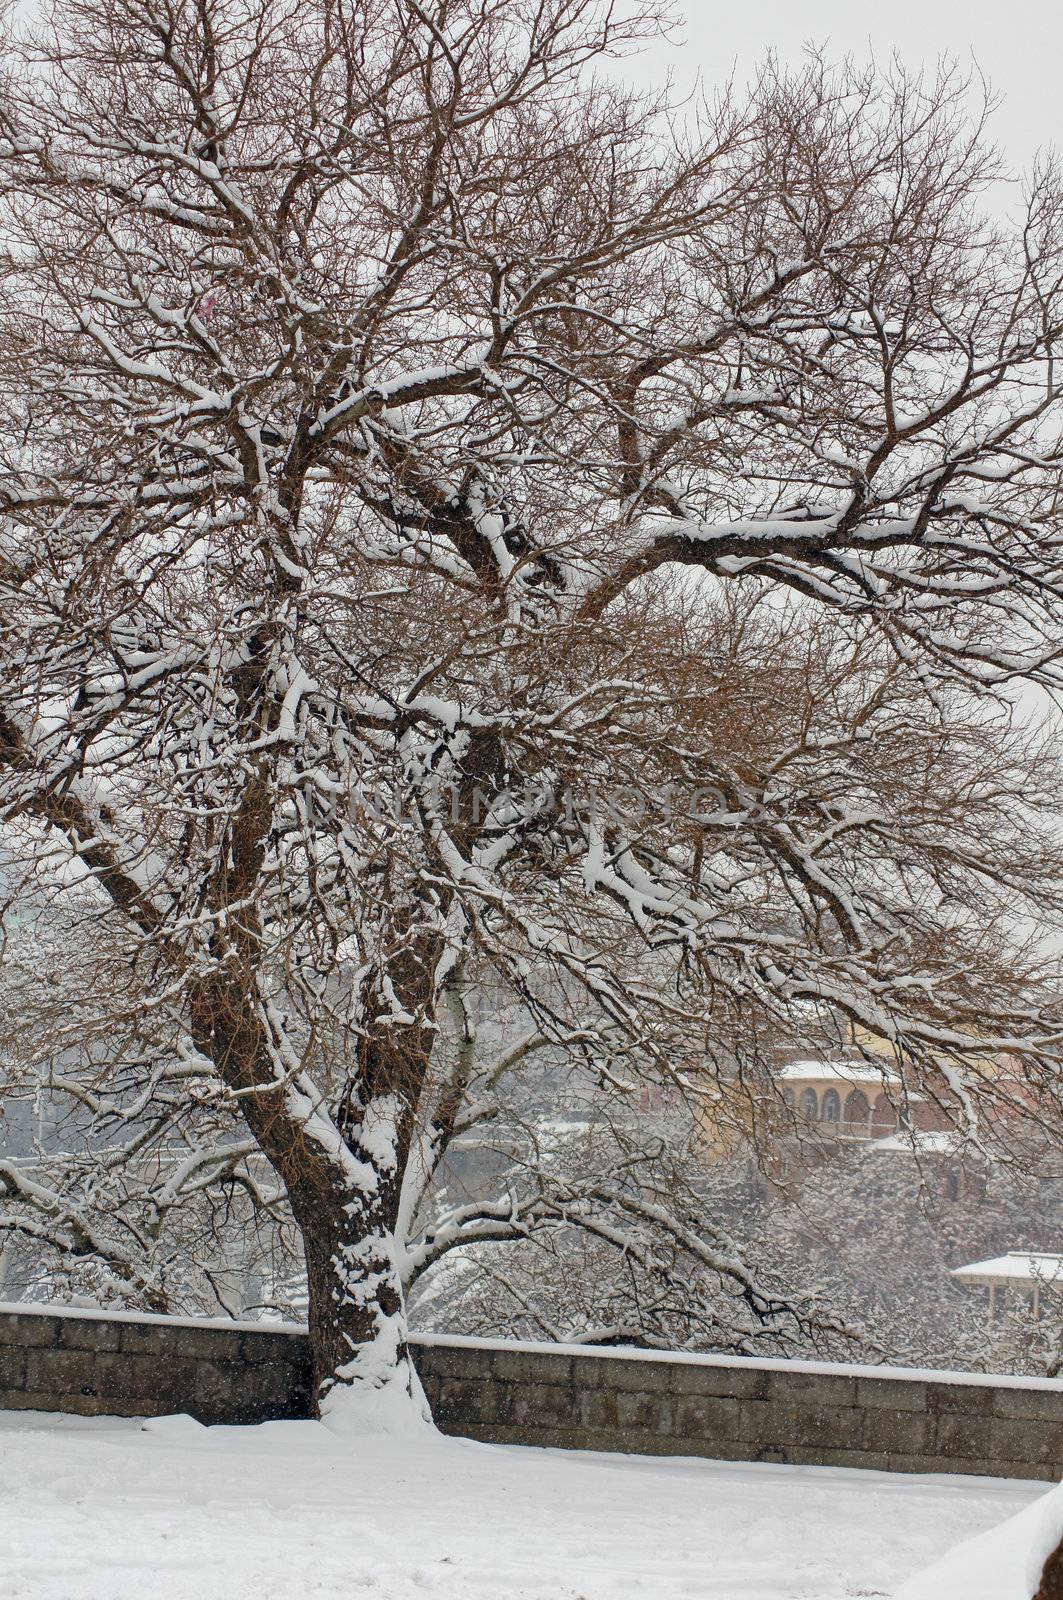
x=1018 y=44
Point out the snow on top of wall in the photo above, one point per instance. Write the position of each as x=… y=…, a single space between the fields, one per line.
x=840 y=1369
x=18 y=1308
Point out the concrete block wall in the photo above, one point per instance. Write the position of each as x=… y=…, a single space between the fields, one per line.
x=95 y=1365
x=746 y=1410
x=657 y=1404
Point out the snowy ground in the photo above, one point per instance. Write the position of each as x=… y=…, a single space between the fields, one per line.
x=166 y=1510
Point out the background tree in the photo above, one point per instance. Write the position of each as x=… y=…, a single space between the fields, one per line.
x=874 y=1232
x=369 y=372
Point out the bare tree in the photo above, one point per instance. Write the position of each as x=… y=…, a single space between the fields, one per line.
x=874 y=1232
x=371 y=373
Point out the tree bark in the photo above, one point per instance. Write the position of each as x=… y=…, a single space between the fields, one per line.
x=343 y=1177
x=357 y=1314
x=1051 y=1586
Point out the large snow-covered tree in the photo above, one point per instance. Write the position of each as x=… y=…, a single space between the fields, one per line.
x=461 y=518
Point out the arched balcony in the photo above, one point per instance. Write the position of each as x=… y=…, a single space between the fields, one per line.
x=856 y=1120
x=884 y=1120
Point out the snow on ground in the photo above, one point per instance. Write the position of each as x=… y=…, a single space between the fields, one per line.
x=114 y=1509
x=1002 y=1564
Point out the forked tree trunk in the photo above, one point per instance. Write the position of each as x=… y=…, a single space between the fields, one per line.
x=349 y=1216
x=344 y=1184
x=362 y=1366
x=342 y=1170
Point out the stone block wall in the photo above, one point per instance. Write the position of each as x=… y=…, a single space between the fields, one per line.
x=656 y=1404
x=95 y=1365
x=746 y=1410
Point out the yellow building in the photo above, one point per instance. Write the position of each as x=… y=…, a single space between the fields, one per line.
x=849 y=1099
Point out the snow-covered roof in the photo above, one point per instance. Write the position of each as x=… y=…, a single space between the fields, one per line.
x=562 y=1127
x=1018 y=1265
x=917 y=1143
x=839 y=1071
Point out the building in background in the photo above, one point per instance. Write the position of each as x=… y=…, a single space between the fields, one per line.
x=1016 y=1281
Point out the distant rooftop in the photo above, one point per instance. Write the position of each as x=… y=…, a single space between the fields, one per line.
x=1018 y=1265
x=839 y=1071
x=915 y=1142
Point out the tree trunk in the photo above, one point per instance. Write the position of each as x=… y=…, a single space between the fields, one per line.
x=344 y=1187
x=349 y=1218
x=1052 y=1577
x=362 y=1368
x=344 y=1183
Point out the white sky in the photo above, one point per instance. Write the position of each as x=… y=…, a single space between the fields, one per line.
x=1018 y=44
